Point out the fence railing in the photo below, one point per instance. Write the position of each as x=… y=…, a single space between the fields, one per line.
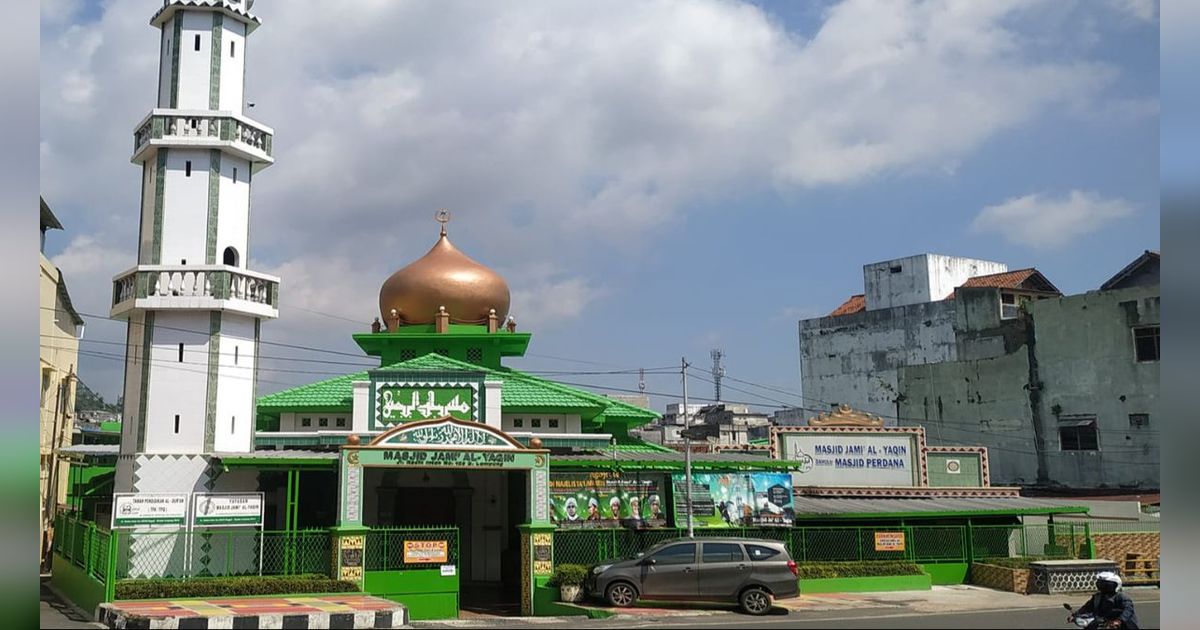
x=217 y=552
x=385 y=547
x=83 y=544
x=925 y=544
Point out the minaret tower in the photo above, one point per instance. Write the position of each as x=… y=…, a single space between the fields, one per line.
x=192 y=306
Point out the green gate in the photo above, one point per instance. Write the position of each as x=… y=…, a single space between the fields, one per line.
x=416 y=566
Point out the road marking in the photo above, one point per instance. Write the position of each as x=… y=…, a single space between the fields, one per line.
x=723 y=621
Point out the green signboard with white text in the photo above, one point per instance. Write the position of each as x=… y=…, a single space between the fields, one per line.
x=395 y=402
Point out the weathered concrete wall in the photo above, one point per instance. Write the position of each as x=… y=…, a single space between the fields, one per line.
x=981 y=402
x=920 y=278
x=852 y=359
x=1083 y=356
x=1086 y=362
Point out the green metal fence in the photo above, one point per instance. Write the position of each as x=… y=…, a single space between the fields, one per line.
x=385 y=547
x=216 y=552
x=83 y=544
x=922 y=544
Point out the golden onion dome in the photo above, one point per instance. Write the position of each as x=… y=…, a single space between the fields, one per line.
x=444 y=277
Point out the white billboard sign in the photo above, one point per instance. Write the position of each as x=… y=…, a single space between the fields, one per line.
x=136 y=509
x=852 y=459
x=227 y=509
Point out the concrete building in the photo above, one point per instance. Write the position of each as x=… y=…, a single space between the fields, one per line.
x=905 y=316
x=1064 y=395
x=60 y=328
x=790 y=417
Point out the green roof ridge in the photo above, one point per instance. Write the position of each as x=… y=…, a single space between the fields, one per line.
x=316 y=394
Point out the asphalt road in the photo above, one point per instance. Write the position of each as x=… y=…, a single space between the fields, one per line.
x=1051 y=618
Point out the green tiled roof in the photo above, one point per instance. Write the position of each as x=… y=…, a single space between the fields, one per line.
x=519 y=391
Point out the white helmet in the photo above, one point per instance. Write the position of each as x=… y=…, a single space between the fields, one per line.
x=1105 y=579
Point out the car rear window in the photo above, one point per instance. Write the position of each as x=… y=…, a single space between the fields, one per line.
x=759 y=552
x=722 y=552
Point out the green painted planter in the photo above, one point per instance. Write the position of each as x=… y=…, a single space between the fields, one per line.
x=866 y=584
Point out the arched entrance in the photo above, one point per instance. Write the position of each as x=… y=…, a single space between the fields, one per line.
x=437 y=515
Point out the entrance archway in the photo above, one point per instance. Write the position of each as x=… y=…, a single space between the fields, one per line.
x=463 y=493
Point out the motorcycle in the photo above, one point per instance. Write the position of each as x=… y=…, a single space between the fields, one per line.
x=1085 y=620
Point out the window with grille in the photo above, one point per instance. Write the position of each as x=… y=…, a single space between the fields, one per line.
x=443 y=351
x=324 y=422
x=553 y=423
x=1080 y=435
x=1139 y=420
x=518 y=423
x=1008 y=306
x=475 y=355
x=408 y=354
x=306 y=422
x=1145 y=343
x=536 y=423
x=341 y=422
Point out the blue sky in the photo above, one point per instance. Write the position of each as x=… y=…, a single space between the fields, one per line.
x=653 y=182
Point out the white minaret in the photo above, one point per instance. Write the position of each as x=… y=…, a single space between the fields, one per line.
x=193 y=308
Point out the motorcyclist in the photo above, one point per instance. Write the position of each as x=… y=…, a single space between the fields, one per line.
x=1111 y=607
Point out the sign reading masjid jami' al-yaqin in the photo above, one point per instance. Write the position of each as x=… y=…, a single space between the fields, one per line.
x=396 y=404
x=852 y=459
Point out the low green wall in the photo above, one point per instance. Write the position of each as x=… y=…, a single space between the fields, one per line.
x=866 y=584
x=426 y=593
x=76 y=585
x=947 y=572
x=546 y=603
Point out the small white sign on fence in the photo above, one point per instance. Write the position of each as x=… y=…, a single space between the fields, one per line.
x=227 y=509
x=133 y=509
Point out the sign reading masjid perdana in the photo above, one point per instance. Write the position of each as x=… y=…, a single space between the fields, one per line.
x=398 y=402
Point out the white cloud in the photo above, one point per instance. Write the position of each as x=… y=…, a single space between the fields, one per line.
x=560 y=132
x=1041 y=221
x=546 y=298
x=602 y=125
x=1145 y=10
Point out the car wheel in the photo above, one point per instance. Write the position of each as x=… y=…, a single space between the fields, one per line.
x=756 y=601
x=621 y=594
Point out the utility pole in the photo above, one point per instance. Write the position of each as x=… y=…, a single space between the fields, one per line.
x=687 y=447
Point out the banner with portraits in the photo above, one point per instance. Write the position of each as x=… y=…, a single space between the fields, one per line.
x=736 y=499
x=608 y=499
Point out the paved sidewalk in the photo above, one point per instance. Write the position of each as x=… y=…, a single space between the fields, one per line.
x=940 y=599
x=56 y=613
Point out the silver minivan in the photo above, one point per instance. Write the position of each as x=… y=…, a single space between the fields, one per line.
x=749 y=572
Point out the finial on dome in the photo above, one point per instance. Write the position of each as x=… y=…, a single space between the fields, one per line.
x=442 y=216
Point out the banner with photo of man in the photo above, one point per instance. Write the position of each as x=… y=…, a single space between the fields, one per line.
x=608 y=499
x=736 y=499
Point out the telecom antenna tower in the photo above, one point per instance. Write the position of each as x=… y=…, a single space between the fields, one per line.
x=718 y=371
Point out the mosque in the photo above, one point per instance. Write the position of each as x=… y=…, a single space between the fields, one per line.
x=441 y=479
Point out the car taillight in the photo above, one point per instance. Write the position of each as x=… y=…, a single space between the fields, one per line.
x=793 y=568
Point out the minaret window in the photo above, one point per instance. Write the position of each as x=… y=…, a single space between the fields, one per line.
x=233 y=424
x=235 y=355
x=197 y=42
x=230 y=257
x=187 y=168
x=231 y=48
x=181 y=353
x=235 y=174
x=176 y=423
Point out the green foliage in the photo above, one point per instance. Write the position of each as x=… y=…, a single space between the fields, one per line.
x=1013 y=563
x=569 y=574
x=160 y=588
x=825 y=570
x=88 y=400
